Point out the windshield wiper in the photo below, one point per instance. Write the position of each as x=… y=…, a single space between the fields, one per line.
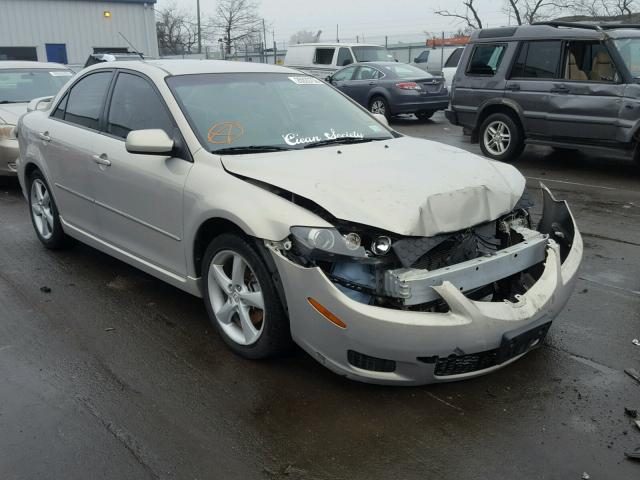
x=250 y=149
x=3 y=102
x=340 y=141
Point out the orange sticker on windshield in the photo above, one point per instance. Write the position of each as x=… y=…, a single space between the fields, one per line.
x=225 y=133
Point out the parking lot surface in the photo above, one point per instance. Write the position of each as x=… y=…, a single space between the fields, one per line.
x=106 y=372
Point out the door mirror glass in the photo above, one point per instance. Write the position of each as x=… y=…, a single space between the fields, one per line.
x=153 y=142
x=381 y=118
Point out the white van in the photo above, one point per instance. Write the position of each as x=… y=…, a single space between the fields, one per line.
x=431 y=61
x=323 y=59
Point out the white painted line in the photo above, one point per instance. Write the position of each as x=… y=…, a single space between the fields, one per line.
x=574 y=183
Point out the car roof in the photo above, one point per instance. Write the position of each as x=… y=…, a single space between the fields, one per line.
x=11 y=64
x=163 y=68
x=560 y=30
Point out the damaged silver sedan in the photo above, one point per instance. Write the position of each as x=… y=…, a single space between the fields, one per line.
x=299 y=217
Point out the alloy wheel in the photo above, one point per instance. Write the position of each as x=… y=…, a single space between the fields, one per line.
x=377 y=106
x=497 y=137
x=236 y=297
x=41 y=209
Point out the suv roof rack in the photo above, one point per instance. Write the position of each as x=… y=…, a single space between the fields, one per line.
x=588 y=26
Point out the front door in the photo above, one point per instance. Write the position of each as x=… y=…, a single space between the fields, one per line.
x=532 y=82
x=56 y=52
x=585 y=105
x=67 y=139
x=139 y=197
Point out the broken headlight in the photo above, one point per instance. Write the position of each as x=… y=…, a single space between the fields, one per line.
x=328 y=243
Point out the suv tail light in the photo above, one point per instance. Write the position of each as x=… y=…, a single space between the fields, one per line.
x=408 y=86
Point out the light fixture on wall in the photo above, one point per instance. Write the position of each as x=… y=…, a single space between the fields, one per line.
x=106 y=14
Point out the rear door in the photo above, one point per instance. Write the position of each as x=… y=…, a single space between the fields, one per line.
x=532 y=82
x=139 y=197
x=68 y=137
x=585 y=105
x=365 y=79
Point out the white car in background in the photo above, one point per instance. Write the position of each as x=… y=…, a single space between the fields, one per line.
x=21 y=82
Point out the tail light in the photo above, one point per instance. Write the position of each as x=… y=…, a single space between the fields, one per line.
x=408 y=86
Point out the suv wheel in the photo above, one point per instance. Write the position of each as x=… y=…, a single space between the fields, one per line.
x=501 y=138
x=241 y=299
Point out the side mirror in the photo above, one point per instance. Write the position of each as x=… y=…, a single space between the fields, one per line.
x=328 y=78
x=152 y=142
x=416 y=60
x=381 y=118
x=41 y=103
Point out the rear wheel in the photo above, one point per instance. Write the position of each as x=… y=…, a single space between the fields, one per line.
x=44 y=213
x=501 y=138
x=425 y=114
x=241 y=299
x=380 y=106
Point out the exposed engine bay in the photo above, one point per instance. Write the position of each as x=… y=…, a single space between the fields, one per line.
x=493 y=262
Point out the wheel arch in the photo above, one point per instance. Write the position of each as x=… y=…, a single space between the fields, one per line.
x=502 y=105
x=206 y=232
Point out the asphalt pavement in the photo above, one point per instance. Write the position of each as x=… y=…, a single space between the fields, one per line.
x=106 y=372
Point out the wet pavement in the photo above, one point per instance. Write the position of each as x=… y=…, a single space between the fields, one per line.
x=113 y=374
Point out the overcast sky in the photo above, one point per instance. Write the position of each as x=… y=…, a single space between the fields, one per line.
x=400 y=19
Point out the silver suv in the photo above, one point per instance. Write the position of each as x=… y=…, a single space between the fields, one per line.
x=559 y=84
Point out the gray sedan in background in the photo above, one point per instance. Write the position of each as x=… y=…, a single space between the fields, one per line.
x=391 y=88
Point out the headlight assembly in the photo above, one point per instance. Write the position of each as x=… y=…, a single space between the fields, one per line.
x=7 y=132
x=328 y=243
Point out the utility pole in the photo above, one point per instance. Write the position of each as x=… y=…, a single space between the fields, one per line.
x=199 y=28
x=264 y=42
x=275 y=47
x=357 y=39
x=386 y=41
x=442 y=53
x=337 y=36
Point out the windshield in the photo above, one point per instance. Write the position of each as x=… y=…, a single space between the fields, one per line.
x=629 y=49
x=235 y=110
x=23 y=85
x=372 y=54
x=403 y=70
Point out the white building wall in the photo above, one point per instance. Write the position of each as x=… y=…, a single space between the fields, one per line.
x=79 y=24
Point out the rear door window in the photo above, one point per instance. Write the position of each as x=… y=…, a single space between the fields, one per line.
x=86 y=99
x=538 y=60
x=367 y=73
x=454 y=58
x=486 y=59
x=324 y=56
x=589 y=61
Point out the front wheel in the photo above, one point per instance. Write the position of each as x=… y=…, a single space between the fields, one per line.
x=241 y=299
x=44 y=213
x=501 y=138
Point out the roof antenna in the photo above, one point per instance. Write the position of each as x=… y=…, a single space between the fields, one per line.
x=135 y=50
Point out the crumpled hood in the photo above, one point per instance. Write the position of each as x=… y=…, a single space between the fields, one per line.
x=11 y=112
x=407 y=185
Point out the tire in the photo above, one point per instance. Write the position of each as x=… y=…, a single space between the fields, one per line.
x=380 y=105
x=501 y=138
x=425 y=114
x=44 y=213
x=233 y=303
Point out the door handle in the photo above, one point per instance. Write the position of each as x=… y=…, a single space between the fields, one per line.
x=560 y=89
x=44 y=136
x=514 y=87
x=372 y=83
x=102 y=160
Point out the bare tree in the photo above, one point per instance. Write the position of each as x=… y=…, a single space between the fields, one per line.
x=470 y=17
x=176 y=30
x=530 y=11
x=606 y=8
x=238 y=20
x=305 y=36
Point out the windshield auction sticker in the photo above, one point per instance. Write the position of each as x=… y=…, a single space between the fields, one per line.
x=297 y=139
x=225 y=133
x=304 y=80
